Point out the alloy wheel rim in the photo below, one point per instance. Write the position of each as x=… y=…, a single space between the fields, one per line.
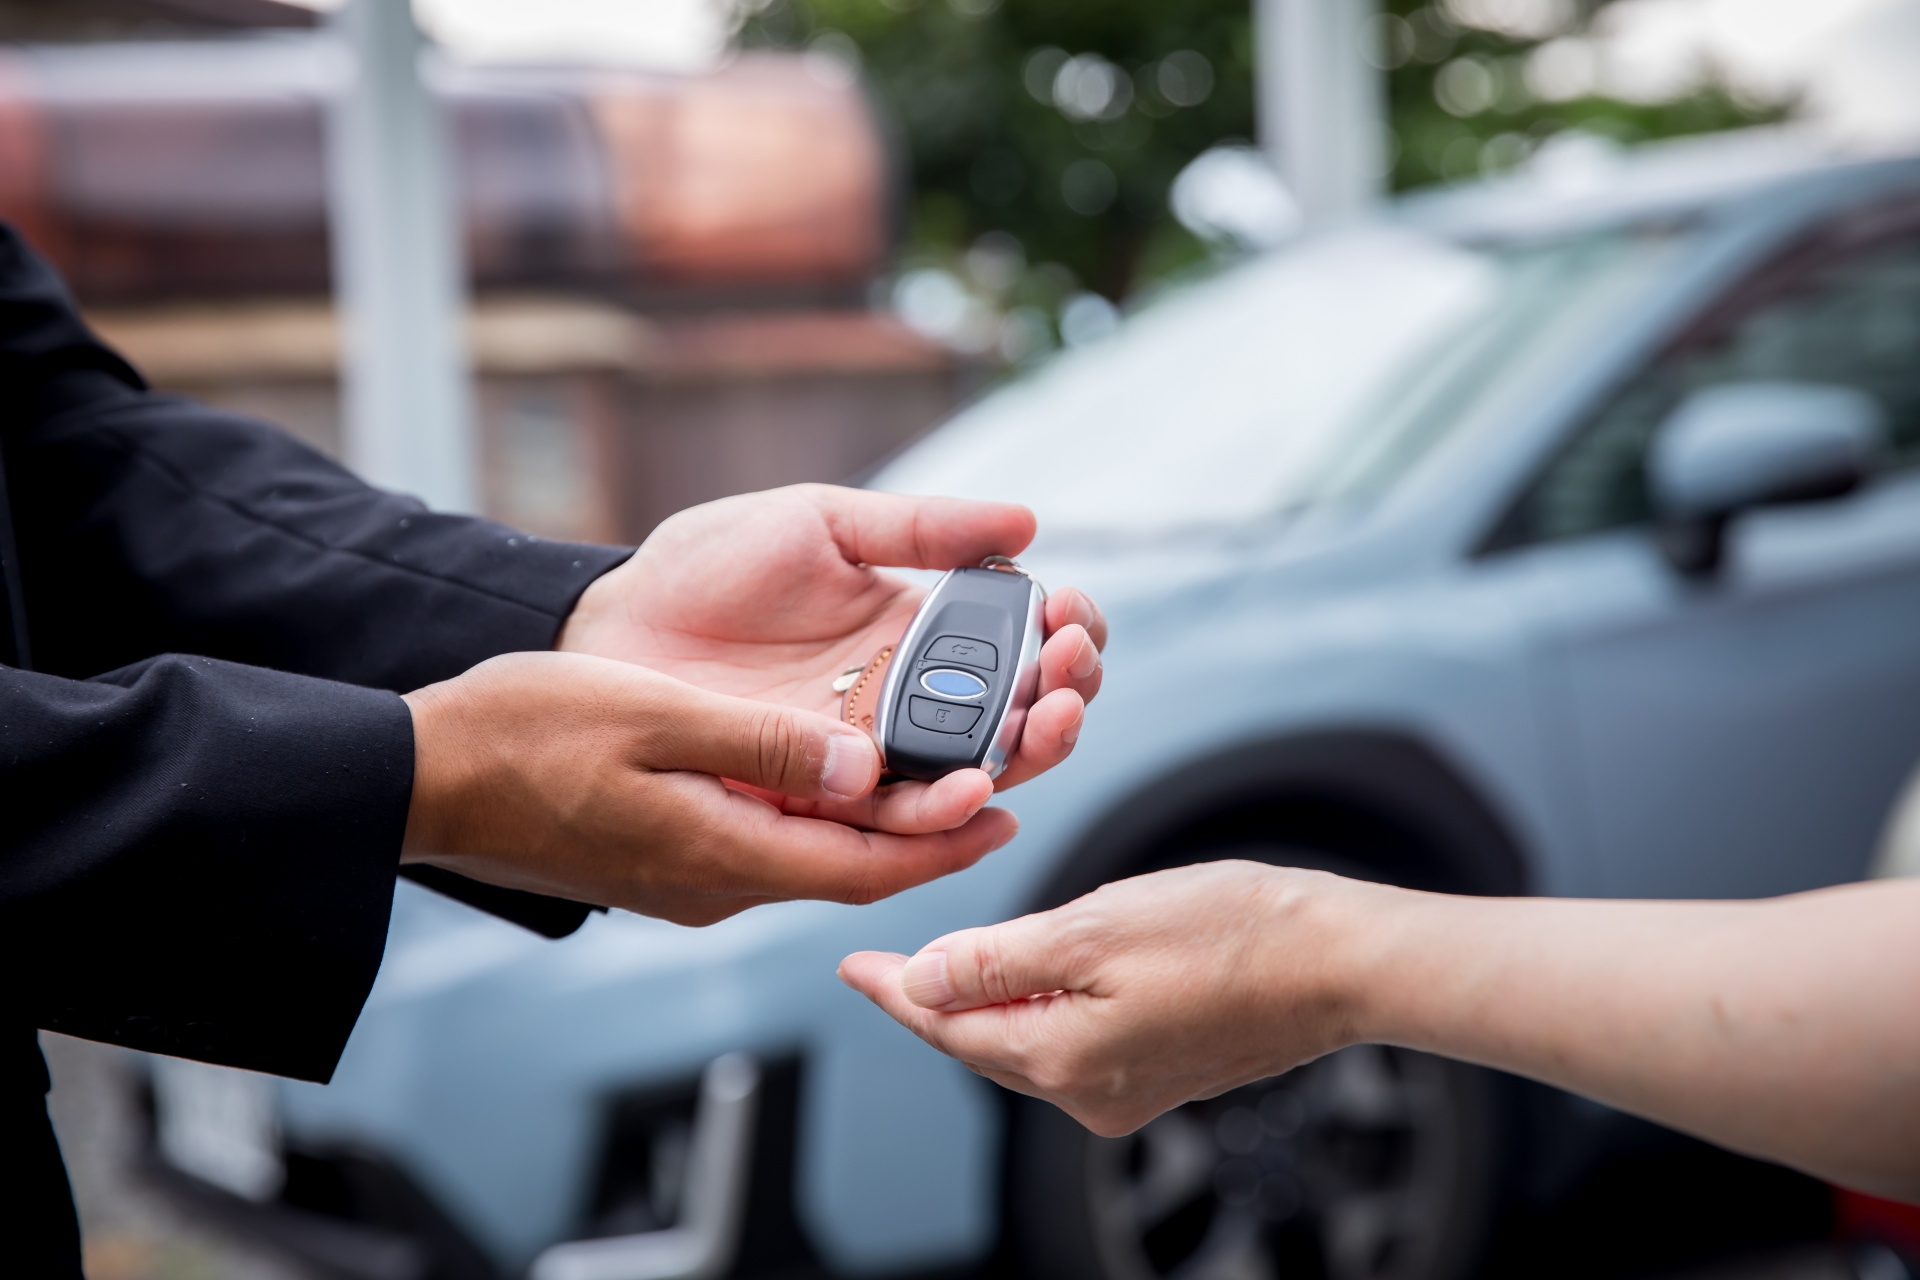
x=1341 y=1169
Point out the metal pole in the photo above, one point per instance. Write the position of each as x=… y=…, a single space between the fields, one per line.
x=1321 y=105
x=398 y=266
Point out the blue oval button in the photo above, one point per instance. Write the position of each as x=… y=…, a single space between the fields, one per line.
x=953 y=684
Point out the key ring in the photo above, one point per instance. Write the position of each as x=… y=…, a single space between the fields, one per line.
x=1007 y=564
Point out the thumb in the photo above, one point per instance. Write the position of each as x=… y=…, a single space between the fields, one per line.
x=796 y=753
x=995 y=965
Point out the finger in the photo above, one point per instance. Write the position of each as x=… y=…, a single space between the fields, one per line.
x=782 y=749
x=993 y=965
x=1070 y=660
x=893 y=529
x=991 y=1041
x=1010 y=1039
x=877 y=976
x=1070 y=605
x=871 y=972
x=906 y=808
x=782 y=856
x=1053 y=726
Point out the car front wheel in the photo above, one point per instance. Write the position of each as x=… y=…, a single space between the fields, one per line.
x=1372 y=1163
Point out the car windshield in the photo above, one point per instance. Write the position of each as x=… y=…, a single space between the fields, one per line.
x=1312 y=373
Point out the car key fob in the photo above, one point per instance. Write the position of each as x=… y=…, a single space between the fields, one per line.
x=961 y=679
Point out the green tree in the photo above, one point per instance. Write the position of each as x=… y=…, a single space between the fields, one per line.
x=969 y=86
x=1463 y=100
x=1062 y=123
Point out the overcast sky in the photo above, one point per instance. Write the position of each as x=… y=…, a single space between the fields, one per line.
x=1856 y=61
x=668 y=35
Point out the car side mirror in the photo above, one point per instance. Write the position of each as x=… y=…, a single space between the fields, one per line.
x=1730 y=449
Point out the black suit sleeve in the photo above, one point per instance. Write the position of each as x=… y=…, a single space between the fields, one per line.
x=200 y=850
x=199 y=857
x=156 y=525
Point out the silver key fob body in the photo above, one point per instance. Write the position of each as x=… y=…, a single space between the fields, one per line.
x=962 y=677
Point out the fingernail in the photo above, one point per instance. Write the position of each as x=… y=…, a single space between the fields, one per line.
x=1071 y=734
x=1084 y=661
x=925 y=980
x=849 y=765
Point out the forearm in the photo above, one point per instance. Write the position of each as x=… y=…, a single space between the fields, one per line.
x=1788 y=1028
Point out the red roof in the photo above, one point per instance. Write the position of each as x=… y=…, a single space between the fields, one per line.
x=170 y=169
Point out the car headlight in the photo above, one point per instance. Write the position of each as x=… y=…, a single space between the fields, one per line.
x=689 y=1171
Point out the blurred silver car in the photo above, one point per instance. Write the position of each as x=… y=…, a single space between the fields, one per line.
x=1554 y=536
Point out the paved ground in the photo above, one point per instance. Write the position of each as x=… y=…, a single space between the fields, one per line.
x=1808 y=1264
x=135 y=1232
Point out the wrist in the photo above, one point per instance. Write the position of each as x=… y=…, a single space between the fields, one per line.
x=1333 y=956
x=598 y=602
x=436 y=774
x=1385 y=963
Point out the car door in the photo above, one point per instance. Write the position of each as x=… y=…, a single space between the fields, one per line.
x=1744 y=734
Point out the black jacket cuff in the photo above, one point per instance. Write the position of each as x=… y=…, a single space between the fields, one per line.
x=200 y=857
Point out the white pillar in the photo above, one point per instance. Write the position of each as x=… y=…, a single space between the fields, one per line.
x=398 y=266
x=1321 y=105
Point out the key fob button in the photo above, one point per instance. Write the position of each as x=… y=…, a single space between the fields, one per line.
x=953 y=684
x=942 y=717
x=974 y=653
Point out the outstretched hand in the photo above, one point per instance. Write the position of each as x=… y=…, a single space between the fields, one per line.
x=1144 y=994
x=1784 y=1028
x=600 y=781
x=769 y=596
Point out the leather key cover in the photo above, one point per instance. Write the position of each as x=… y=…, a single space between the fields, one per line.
x=862 y=700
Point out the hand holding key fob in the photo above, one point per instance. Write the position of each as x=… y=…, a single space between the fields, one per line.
x=956 y=692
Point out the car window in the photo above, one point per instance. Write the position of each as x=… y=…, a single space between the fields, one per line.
x=1215 y=406
x=1842 y=307
x=1321 y=373
x=1557 y=297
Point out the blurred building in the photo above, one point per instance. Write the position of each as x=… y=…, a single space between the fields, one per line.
x=671 y=273
x=145 y=19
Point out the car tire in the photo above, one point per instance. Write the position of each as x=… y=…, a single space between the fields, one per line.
x=1372 y=1163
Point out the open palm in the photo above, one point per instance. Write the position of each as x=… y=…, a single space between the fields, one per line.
x=771 y=595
